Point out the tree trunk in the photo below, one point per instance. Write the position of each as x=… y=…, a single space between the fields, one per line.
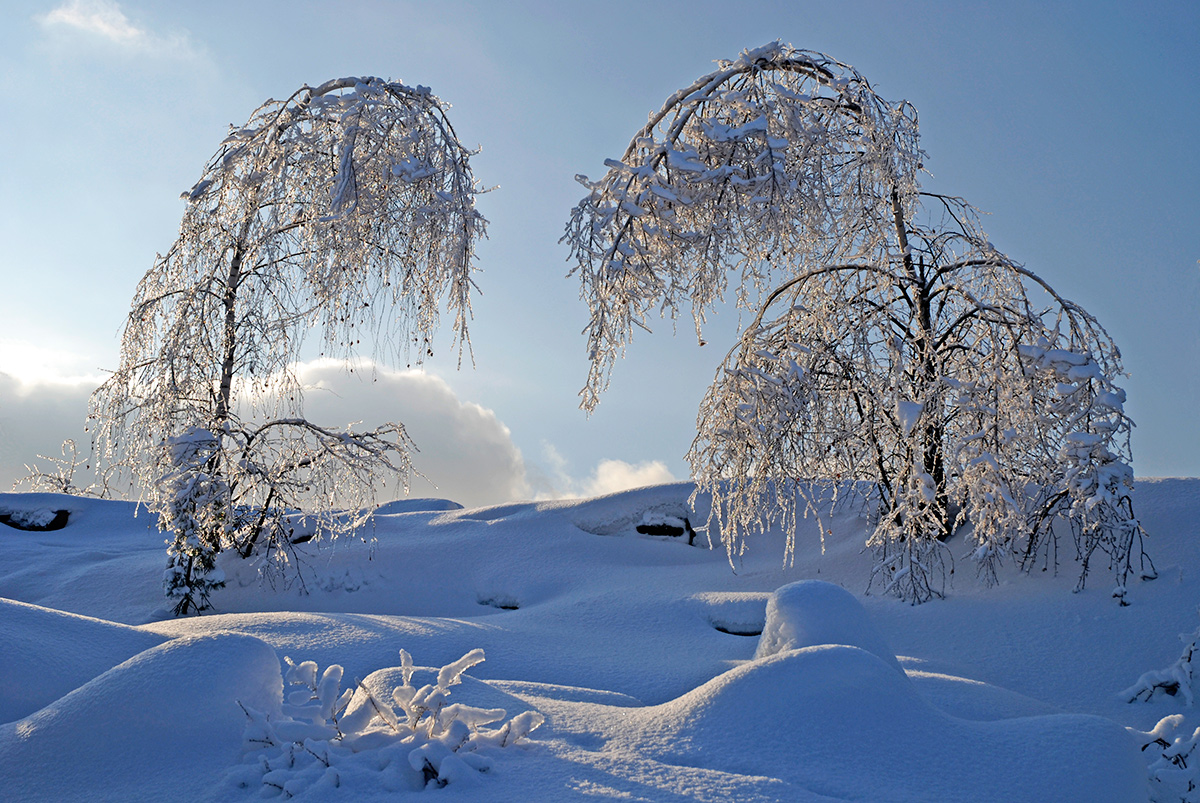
x=932 y=434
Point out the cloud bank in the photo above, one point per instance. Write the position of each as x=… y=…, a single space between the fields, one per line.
x=35 y=418
x=465 y=452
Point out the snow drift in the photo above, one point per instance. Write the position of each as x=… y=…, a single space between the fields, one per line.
x=634 y=648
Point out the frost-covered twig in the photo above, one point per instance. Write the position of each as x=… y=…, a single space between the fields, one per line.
x=1174 y=681
x=1174 y=774
x=60 y=477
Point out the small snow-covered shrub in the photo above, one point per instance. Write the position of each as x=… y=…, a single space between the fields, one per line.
x=59 y=478
x=1174 y=775
x=195 y=519
x=1175 y=680
x=412 y=741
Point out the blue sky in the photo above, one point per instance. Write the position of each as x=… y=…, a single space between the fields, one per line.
x=1073 y=125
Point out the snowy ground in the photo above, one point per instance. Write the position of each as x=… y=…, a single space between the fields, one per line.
x=639 y=652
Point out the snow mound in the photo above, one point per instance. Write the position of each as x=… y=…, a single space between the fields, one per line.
x=620 y=513
x=87 y=514
x=839 y=722
x=168 y=718
x=47 y=653
x=416 y=506
x=810 y=613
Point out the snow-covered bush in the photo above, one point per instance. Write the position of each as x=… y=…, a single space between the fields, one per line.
x=415 y=739
x=1174 y=681
x=197 y=519
x=887 y=340
x=1174 y=774
x=60 y=476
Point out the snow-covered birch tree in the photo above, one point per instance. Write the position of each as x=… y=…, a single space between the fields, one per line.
x=890 y=347
x=346 y=211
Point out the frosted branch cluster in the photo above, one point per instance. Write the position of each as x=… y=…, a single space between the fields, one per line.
x=413 y=738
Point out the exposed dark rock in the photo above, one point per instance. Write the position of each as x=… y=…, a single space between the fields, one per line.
x=672 y=530
x=19 y=522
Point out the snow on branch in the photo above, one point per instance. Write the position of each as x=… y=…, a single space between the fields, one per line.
x=762 y=163
x=1174 y=774
x=1174 y=681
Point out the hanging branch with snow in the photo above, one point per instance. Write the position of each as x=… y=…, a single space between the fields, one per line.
x=346 y=210
x=889 y=340
x=1172 y=771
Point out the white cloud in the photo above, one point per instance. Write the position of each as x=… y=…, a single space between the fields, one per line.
x=465 y=450
x=611 y=476
x=104 y=20
x=101 y=17
x=552 y=480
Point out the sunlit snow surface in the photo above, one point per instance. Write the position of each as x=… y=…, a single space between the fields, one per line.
x=639 y=651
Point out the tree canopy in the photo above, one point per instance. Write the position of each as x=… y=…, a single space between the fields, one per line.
x=346 y=210
x=892 y=352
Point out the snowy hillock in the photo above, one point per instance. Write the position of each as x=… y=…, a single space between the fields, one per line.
x=50 y=653
x=164 y=721
x=835 y=721
x=642 y=653
x=810 y=613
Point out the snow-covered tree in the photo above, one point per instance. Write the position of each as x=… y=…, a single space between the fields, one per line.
x=887 y=340
x=346 y=210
